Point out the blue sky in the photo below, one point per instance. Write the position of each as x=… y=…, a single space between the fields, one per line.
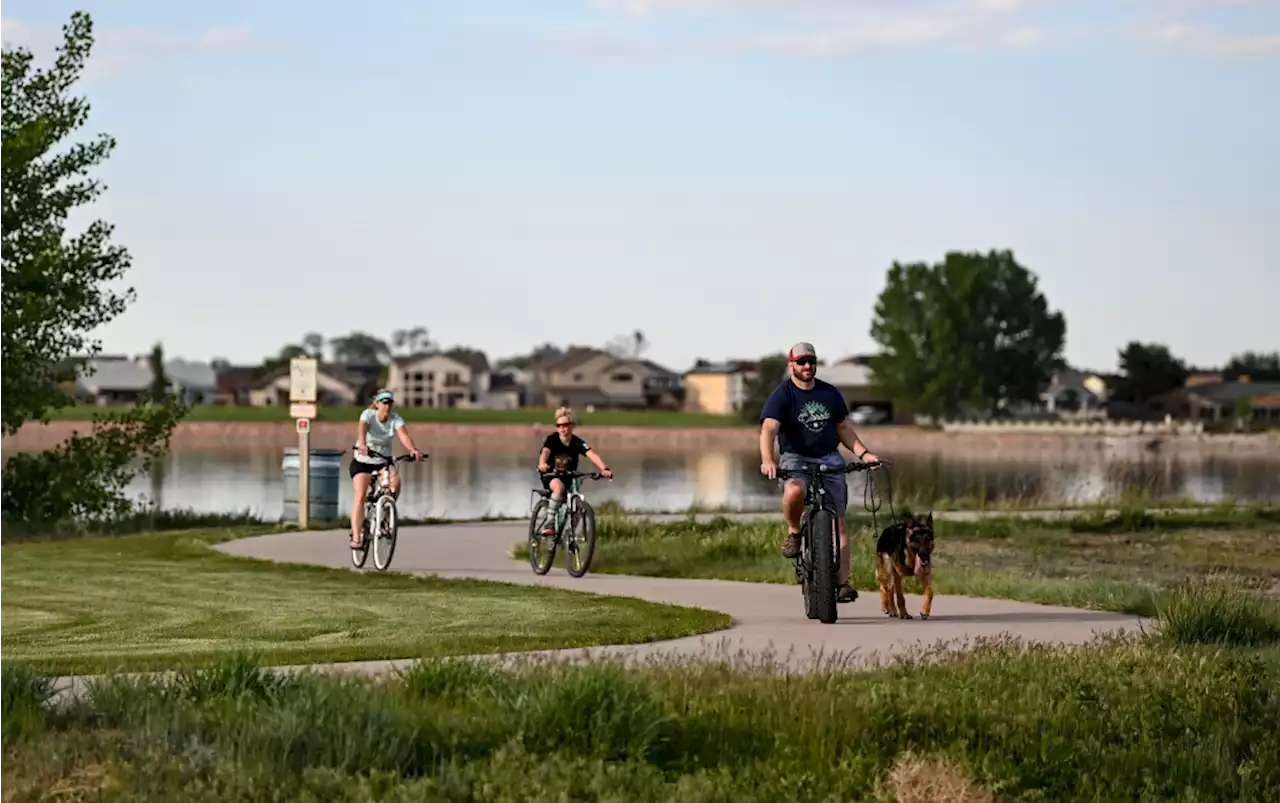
x=729 y=176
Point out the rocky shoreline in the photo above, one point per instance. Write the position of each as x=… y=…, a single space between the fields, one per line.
x=888 y=440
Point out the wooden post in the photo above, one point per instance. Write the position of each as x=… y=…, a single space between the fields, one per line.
x=304 y=473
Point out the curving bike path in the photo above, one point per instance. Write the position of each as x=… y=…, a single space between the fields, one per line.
x=768 y=619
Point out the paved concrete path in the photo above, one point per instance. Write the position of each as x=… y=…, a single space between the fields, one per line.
x=768 y=618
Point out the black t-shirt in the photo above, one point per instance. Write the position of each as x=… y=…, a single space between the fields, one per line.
x=564 y=457
x=808 y=418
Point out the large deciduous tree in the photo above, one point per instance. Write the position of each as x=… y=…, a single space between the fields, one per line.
x=972 y=332
x=56 y=291
x=1149 y=370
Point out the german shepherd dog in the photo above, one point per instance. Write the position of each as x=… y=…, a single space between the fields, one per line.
x=905 y=549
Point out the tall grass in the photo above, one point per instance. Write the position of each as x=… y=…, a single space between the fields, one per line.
x=1213 y=611
x=1122 y=719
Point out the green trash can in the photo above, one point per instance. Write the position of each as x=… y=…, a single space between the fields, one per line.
x=325 y=473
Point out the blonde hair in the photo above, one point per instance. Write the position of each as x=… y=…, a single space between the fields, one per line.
x=566 y=412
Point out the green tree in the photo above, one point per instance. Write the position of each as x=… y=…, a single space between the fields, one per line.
x=159 y=391
x=56 y=291
x=1148 y=370
x=971 y=332
x=769 y=374
x=360 y=348
x=1259 y=367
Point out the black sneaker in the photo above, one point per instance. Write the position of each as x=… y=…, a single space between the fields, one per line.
x=846 y=593
x=791 y=546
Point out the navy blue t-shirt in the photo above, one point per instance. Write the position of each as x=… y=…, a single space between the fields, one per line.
x=808 y=417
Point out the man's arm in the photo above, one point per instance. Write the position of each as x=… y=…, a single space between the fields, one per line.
x=768 y=433
x=849 y=437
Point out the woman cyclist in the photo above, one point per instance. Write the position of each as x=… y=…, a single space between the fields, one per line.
x=378 y=423
x=561 y=450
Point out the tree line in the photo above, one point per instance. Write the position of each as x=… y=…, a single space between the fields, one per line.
x=974 y=334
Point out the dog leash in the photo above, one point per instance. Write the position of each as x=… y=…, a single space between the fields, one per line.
x=872 y=499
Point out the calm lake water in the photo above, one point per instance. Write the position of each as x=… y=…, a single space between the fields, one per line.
x=472 y=485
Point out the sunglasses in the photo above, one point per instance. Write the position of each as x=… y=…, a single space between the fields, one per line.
x=563 y=424
x=807 y=361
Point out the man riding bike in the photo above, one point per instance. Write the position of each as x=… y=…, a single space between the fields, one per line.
x=810 y=419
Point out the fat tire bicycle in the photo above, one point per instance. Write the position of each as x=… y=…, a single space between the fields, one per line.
x=574 y=526
x=381 y=519
x=819 y=538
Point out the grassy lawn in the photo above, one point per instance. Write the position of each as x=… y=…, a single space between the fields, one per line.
x=1121 y=563
x=1123 y=719
x=163 y=600
x=603 y=418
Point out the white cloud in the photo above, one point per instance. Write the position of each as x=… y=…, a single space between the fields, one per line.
x=117 y=49
x=1188 y=38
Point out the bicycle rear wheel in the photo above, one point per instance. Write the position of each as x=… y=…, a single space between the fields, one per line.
x=384 y=538
x=542 y=551
x=580 y=546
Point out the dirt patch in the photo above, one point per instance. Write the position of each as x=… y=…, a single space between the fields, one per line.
x=933 y=779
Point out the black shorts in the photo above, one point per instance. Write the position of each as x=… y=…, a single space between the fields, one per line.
x=357 y=467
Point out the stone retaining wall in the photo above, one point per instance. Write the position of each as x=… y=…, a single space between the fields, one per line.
x=886 y=440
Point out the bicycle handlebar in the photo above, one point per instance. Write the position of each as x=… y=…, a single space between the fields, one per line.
x=818 y=468
x=398 y=459
x=595 y=475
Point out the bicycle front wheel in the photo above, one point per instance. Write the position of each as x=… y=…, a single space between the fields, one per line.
x=822 y=548
x=542 y=550
x=581 y=543
x=384 y=535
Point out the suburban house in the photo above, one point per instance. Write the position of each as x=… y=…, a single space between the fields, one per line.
x=335 y=385
x=193 y=382
x=1209 y=398
x=1075 y=391
x=458 y=378
x=588 y=377
x=113 y=379
x=234 y=382
x=719 y=388
x=117 y=379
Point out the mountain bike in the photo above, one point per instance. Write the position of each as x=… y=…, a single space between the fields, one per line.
x=819 y=538
x=574 y=526
x=380 y=517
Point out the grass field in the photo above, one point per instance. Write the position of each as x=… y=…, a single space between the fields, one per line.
x=1140 y=718
x=1125 y=562
x=162 y=600
x=602 y=418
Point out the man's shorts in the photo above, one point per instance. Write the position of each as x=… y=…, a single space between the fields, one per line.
x=836 y=485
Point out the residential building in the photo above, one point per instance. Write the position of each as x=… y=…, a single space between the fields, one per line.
x=1076 y=392
x=113 y=379
x=193 y=382
x=335 y=386
x=440 y=379
x=588 y=377
x=719 y=388
x=1209 y=400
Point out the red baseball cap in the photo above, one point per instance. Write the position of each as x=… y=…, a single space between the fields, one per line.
x=802 y=349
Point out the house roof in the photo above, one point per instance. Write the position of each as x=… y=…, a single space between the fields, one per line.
x=726 y=367
x=503 y=381
x=477 y=360
x=411 y=359
x=115 y=374
x=575 y=356
x=1229 y=392
x=335 y=371
x=198 y=375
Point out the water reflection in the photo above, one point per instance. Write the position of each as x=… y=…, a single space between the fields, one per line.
x=470 y=484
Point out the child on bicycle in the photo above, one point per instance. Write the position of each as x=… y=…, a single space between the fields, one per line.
x=561 y=450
